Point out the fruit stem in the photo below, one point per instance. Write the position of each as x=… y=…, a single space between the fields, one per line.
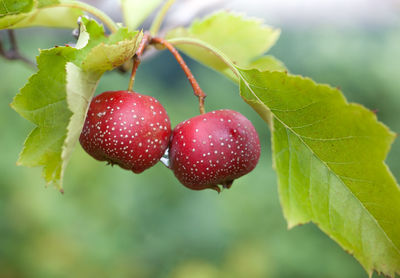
x=136 y=59
x=89 y=9
x=196 y=87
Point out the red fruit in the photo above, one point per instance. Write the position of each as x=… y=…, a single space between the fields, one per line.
x=127 y=129
x=214 y=148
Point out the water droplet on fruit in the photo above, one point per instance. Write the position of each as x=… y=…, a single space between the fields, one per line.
x=165 y=158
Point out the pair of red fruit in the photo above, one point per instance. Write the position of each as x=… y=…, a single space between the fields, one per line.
x=134 y=132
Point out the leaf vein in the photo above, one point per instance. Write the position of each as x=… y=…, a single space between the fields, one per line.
x=330 y=170
x=289 y=169
x=297 y=109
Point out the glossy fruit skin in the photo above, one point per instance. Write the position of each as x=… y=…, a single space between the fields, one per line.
x=127 y=129
x=213 y=149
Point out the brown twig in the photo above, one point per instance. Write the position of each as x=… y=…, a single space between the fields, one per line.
x=196 y=87
x=13 y=53
x=136 y=59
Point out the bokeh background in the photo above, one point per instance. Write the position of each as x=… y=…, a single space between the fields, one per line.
x=113 y=223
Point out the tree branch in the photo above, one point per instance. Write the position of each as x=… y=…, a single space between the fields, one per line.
x=13 y=53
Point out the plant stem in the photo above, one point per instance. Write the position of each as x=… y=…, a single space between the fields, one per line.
x=196 y=87
x=155 y=26
x=90 y=9
x=136 y=59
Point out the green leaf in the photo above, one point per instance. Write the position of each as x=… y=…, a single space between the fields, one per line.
x=105 y=56
x=241 y=39
x=29 y=13
x=56 y=98
x=266 y=63
x=44 y=3
x=105 y=53
x=80 y=86
x=15 y=6
x=136 y=11
x=43 y=102
x=329 y=155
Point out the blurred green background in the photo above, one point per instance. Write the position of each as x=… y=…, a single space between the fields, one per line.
x=113 y=223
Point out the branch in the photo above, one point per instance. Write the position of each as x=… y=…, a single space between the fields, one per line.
x=13 y=53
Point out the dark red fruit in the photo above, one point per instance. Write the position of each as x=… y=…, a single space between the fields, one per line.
x=127 y=129
x=214 y=148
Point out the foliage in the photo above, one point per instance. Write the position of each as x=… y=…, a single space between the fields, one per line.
x=136 y=11
x=27 y=13
x=56 y=98
x=240 y=39
x=329 y=158
x=329 y=154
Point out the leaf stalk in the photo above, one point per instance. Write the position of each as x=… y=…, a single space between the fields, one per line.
x=92 y=10
x=155 y=26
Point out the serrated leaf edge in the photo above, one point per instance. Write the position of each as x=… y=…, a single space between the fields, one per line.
x=290 y=224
